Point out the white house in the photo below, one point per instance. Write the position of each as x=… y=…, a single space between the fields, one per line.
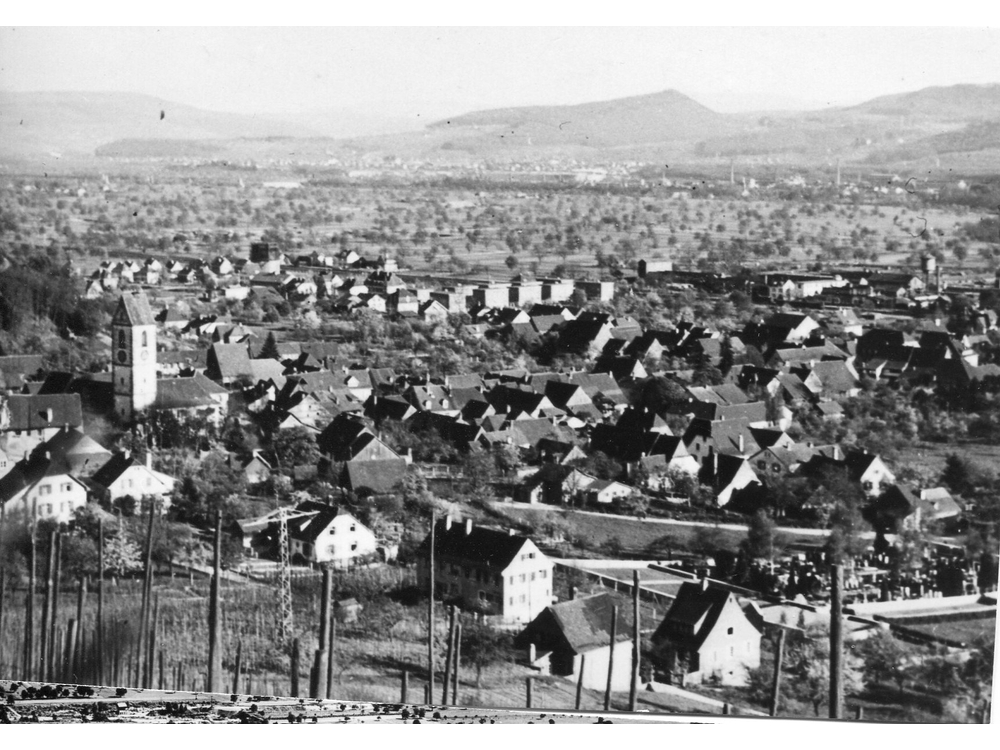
x=496 y=572
x=124 y=475
x=329 y=535
x=41 y=487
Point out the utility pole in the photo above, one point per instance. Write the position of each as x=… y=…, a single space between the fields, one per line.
x=779 y=655
x=448 y=657
x=836 y=642
x=100 y=601
x=214 y=619
x=633 y=690
x=611 y=657
x=321 y=663
x=430 y=611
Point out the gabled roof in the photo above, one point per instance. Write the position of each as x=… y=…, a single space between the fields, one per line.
x=133 y=310
x=481 y=546
x=32 y=412
x=27 y=472
x=184 y=393
x=117 y=465
x=583 y=624
x=691 y=617
x=308 y=528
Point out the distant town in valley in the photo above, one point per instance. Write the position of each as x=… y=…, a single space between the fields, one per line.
x=662 y=411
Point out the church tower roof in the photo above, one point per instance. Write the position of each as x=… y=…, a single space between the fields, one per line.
x=134 y=310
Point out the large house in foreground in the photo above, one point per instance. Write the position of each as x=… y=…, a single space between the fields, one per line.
x=574 y=636
x=496 y=572
x=706 y=636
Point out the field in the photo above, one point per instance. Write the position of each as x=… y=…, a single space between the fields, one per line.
x=635 y=537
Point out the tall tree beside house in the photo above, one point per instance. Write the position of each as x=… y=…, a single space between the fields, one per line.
x=808 y=670
x=958 y=474
x=759 y=542
x=484 y=646
x=270 y=348
x=295 y=447
x=884 y=659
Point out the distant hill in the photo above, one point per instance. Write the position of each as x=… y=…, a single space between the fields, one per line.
x=78 y=123
x=653 y=118
x=962 y=102
x=898 y=131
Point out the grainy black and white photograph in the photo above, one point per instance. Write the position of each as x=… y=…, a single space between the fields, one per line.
x=499 y=374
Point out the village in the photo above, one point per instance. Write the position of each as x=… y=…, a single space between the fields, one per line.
x=647 y=484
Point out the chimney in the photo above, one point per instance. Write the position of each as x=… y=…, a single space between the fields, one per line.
x=741 y=443
x=468 y=526
x=127 y=453
x=48 y=415
x=447 y=522
x=704 y=584
x=510 y=532
x=149 y=460
x=572 y=593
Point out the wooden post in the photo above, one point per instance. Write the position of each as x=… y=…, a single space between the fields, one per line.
x=214 y=621
x=859 y=713
x=779 y=655
x=161 y=683
x=428 y=693
x=81 y=596
x=29 y=611
x=142 y=675
x=3 y=600
x=331 y=663
x=295 y=668
x=633 y=688
x=46 y=631
x=69 y=663
x=321 y=665
x=527 y=688
x=55 y=643
x=836 y=642
x=458 y=659
x=448 y=656
x=150 y=663
x=430 y=609
x=404 y=691
x=611 y=657
x=579 y=682
x=102 y=673
x=237 y=668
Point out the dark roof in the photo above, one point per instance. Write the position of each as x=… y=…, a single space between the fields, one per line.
x=228 y=360
x=134 y=310
x=184 y=393
x=114 y=468
x=583 y=624
x=693 y=606
x=308 y=528
x=28 y=471
x=481 y=546
x=32 y=412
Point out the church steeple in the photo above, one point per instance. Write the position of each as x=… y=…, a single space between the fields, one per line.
x=133 y=347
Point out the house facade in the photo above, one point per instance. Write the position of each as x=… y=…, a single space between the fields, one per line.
x=496 y=572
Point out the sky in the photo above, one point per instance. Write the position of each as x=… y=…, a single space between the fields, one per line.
x=421 y=71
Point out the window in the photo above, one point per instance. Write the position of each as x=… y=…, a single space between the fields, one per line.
x=545 y=574
x=522 y=577
x=121 y=339
x=144 y=341
x=45 y=490
x=729 y=631
x=732 y=650
x=512 y=601
x=522 y=598
x=532 y=576
x=352 y=527
x=354 y=547
x=762 y=464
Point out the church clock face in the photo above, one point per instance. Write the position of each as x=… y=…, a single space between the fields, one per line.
x=122 y=356
x=143 y=355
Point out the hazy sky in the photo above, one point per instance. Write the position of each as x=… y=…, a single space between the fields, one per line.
x=434 y=71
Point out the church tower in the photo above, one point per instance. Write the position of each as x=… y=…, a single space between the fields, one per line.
x=133 y=352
